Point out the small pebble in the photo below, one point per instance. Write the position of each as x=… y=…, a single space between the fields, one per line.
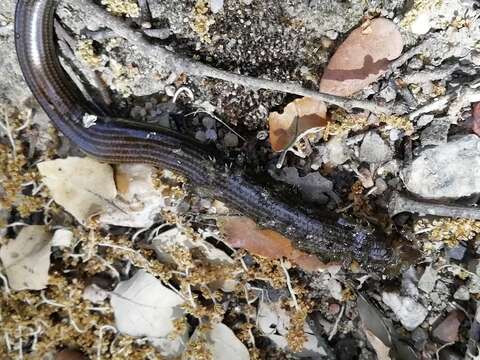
x=457 y=253
x=462 y=294
x=216 y=6
x=200 y=136
x=230 y=140
x=211 y=135
x=208 y=122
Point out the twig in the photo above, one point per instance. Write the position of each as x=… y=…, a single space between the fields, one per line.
x=437 y=353
x=5 y=126
x=289 y=285
x=394 y=65
x=100 y=338
x=442 y=72
x=181 y=64
x=400 y=203
x=335 y=326
x=438 y=104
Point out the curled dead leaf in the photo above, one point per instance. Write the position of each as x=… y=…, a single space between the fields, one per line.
x=476 y=118
x=362 y=58
x=242 y=232
x=299 y=118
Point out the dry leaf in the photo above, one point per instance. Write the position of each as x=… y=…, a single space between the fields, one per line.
x=138 y=202
x=222 y=343
x=362 y=58
x=476 y=118
x=82 y=186
x=242 y=232
x=383 y=351
x=299 y=118
x=26 y=259
x=143 y=306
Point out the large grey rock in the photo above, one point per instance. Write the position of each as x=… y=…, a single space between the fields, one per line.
x=447 y=171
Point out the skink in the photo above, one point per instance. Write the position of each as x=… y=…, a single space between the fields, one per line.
x=121 y=141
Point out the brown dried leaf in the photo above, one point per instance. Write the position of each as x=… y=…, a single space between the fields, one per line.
x=242 y=232
x=476 y=118
x=299 y=117
x=362 y=58
x=383 y=351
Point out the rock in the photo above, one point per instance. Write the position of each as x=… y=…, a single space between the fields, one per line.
x=313 y=186
x=462 y=294
x=211 y=135
x=409 y=282
x=447 y=171
x=216 y=6
x=336 y=151
x=208 y=122
x=409 y=312
x=419 y=337
x=457 y=253
x=374 y=149
x=436 y=133
x=428 y=280
x=230 y=140
x=447 y=330
x=388 y=93
x=424 y=120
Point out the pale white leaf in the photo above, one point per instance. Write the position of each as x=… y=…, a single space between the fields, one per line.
x=143 y=306
x=223 y=344
x=26 y=259
x=83 y=186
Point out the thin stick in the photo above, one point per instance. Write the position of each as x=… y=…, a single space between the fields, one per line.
x=289 y=285
x=400 y=203
x=181 y=64
x=335 y=326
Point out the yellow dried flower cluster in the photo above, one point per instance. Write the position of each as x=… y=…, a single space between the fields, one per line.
x=398 y=122
x=448 y=230
x=296 y=336
x=86 y=52
x=122 y=76
x=127 y=8
x=343 y=123
x=202 y=20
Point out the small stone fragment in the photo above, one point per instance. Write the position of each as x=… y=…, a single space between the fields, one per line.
x=424 y=120
x=388 y=94
x=216 y=6
x=336 y=151
x=211 y=135
x=208 y=122
x=428 y=280
x=447 y=330
x=374 y=149
x=462 y=294
x=457 y=253
x=230 y=140
x=436 y=133
x=409 y=312
x=447 y=171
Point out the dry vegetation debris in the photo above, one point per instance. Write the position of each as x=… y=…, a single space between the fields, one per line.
x=115 y=261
